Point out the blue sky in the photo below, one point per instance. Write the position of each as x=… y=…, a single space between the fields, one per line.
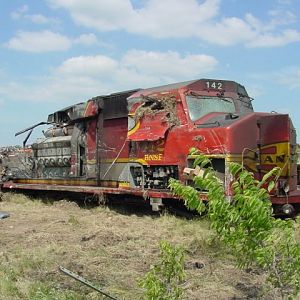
x=55 y=53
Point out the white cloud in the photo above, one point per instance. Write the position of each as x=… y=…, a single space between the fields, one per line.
x=168 y=64
x=88 y=39
x=290 y=77
x=40 y=19
x=21 y=13
x=281 y=17
x=169 y=18
x=270 y=40
x=81 y=77
x=268 y=34
x=39 y=41
x=88 y=66
x=135 y=68
x=182 y=19
x=228 y=31
x=102 y=15
x=47 y=41
x=157 y=18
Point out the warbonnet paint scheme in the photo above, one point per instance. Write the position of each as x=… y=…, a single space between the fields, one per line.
x=132 y=142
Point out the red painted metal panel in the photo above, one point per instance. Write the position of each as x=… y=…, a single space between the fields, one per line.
x=151 y=129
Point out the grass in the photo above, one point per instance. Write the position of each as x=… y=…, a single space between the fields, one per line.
x=110 y=248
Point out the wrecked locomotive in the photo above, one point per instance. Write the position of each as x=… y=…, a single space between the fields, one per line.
x=131 y=143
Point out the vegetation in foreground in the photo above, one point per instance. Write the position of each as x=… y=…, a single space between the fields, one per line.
x=245 y=223
x=164 y=280
x=111 y=247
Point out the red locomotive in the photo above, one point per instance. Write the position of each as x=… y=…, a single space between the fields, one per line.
x=132 y=142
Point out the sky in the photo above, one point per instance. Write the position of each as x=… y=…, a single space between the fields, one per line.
x=55 y=53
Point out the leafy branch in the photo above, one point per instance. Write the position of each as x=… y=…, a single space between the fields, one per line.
x=244 y=222
x=163 y=281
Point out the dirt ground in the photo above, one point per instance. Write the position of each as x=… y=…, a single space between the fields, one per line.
x=110 y=246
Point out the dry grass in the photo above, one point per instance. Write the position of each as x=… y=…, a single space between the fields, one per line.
x=110 y=248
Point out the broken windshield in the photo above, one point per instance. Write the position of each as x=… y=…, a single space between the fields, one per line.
x=200 y=106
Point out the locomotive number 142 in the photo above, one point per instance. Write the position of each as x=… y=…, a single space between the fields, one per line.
x=214 y=85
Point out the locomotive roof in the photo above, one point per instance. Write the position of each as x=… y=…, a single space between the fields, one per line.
x=115 y=103
x=193 y=84
x=164 y=88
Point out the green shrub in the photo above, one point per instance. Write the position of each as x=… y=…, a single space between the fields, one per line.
x=245 y=222
x=163 y=281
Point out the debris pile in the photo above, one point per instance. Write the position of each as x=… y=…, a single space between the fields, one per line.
x=154 y=105
x=15 y=159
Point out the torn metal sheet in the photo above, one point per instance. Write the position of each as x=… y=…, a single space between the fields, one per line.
x=149 y=131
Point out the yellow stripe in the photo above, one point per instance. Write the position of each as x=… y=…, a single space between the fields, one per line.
x=208 y=155
x=120 y=160
x=124 y=184
x=70 y=182
x=134 y=129
x=91 y=161
x=127 y=160
x=58 y=181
